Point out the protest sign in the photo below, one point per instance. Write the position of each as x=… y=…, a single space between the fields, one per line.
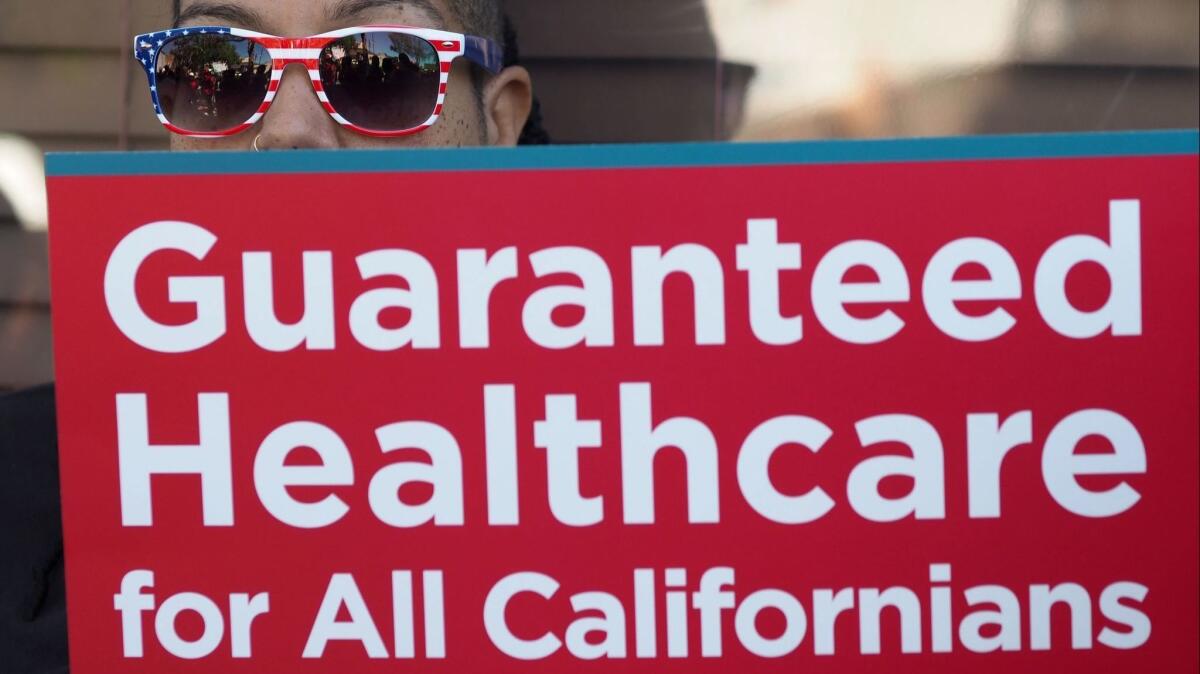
x=890 y=406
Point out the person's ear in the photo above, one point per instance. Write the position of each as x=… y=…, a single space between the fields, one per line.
x=507 y=100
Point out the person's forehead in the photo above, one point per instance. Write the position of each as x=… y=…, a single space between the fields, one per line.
x=307 y=17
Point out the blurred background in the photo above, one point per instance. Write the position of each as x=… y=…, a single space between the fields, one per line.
x=642 y=71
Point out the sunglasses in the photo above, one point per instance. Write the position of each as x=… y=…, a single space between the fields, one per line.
x=213 y=81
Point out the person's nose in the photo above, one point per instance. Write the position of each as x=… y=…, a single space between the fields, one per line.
x=296 y=120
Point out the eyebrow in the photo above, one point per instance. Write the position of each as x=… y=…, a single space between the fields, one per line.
x=346 y=9
x=232 y=14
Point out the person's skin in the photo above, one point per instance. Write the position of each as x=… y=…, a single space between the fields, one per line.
x=296 y=119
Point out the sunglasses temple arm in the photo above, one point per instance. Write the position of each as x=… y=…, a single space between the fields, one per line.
x=144 y=54
x=485 y=53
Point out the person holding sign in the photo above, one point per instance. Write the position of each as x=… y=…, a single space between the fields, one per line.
x=919 y=405
x=220 y=80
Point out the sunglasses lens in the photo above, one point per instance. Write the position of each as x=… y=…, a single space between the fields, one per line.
x=382 y=81
x=211 y=83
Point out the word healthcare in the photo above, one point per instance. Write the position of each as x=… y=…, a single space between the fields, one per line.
x=928 y=416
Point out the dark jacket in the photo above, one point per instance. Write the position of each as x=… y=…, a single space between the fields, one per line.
x=33 y=607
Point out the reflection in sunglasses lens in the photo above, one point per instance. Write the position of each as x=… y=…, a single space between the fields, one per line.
x=382 y=81
x=212 y=83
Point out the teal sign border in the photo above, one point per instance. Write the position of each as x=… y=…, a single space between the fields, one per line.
x=680 y=155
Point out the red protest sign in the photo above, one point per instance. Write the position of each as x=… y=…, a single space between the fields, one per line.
x=916 y=406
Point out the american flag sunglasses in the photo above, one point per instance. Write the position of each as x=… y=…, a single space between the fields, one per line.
x=379 y=80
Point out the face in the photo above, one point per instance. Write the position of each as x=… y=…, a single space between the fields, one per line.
x=296 y=119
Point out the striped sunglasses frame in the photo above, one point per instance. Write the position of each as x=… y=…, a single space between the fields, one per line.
x=285 y=51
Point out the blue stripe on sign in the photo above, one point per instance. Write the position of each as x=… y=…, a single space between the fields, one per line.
x=965 y=148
